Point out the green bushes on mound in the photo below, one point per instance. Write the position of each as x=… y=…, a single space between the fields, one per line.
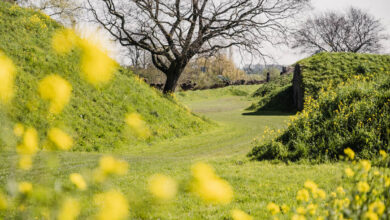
x=277 y=83
x=95 y=117
x=355 y=115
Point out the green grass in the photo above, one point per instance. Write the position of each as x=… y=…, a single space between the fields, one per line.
x=94 y=116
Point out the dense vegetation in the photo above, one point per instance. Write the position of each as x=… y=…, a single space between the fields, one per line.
x=95 y=116
x=352 y=110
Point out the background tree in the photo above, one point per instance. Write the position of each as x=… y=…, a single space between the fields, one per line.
x=174 y=31
x=353 y=31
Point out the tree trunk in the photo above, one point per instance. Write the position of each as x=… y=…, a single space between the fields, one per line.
x=173 y=76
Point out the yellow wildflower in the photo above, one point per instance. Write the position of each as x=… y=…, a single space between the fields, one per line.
x=112 y=206
x=366 y=165
x=3 y=202
x=64 y=41
x=340 y=191
x=321 y=193
x=383 y=153
x=312 y=208
x=57 y=90
x=18 y=130
x=377 y=207
x=303 y=195
x=298 y=217
x=363 y=187
x=311 y=185
x=370 y=216
x=349 y=172
x=7 y=75
x=350 y=153
x=273 y=208
x=301 y=210
x=25 y=187
x=30 y=142
x=209 y=186
x=138 y=126
x=162 y=187
x=97 y=67
x=285 y=208
x=25 y=162
x=110 y=165
x=70 y=209
x=78 y=181
x=240 y=215
x=62 y=140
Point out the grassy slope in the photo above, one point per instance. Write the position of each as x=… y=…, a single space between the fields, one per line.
x=255 y=183
x=94 y=117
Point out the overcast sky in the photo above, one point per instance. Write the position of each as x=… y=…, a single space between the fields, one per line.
x=378 y=8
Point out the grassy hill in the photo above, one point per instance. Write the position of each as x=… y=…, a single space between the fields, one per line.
x=351 y=110
x=95 y=116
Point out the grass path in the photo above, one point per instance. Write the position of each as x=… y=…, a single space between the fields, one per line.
x=225 y=147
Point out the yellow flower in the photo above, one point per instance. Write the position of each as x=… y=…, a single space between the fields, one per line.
x=18 y=130
x=64 y=41
x=377 y=207
x=321 y=193
x=210 y=187
x=285 y=208
x=312 y=208
x=366 y=165
x=110 y=165
x=97 y=67
x=25 y=187
x=62 y=140
x=57 y=90
x=298 y=217
x=3 y=202
x=349 y=172
x=70 y=209
x=303 y=195
x=112 y=206
x=363 y=187
x=301 y=210
x=240 y=215
x=78 y=180
x=311 y=185
x=30 y=142
x=370 y=216
x=340 y=191
x=162 y=187
x=25 y=162
x=349 y=152
x=273 y=208
x=383 y=153
x=138 y=126
x=7 y=75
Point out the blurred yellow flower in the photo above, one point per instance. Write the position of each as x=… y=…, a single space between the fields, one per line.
x=25 y=162
x=273 y=208
x=301 y=210
x=366 y=165
x=25 y=187
x=370 y=216
x=57 y=90
x=30 y=142
x=3 y=202
x=349 y=172
x=210 y=187
x=61 y=139
x=303 y=195
x=136 y=123
x=70 y=209
x=78 y=181
x=350 y=153
x=18 y=130
x=363 y=187
x=7 y=75
x=340 y=191
x=383 y=153
x=96 y=66
x=162 y=187
x=110 y=165
x=377 y=207
x=321 y=193
x=311 y=185
x=285 y=208
x=112 y=206
x=298 y=217
x=312 y=208
x=64 y=41
x=240 y=215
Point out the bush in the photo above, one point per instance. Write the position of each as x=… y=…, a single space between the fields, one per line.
x=355 y=115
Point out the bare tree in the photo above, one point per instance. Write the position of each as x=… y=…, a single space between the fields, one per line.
x=174 y=31
x=353 y=31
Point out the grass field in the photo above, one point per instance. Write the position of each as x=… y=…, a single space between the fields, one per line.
x=224 y=147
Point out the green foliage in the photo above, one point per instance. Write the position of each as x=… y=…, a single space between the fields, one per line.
x=354 y=115
x=277 y=83
x=94 y=116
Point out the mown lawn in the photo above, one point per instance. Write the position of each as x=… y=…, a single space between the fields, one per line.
x=225 y=147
